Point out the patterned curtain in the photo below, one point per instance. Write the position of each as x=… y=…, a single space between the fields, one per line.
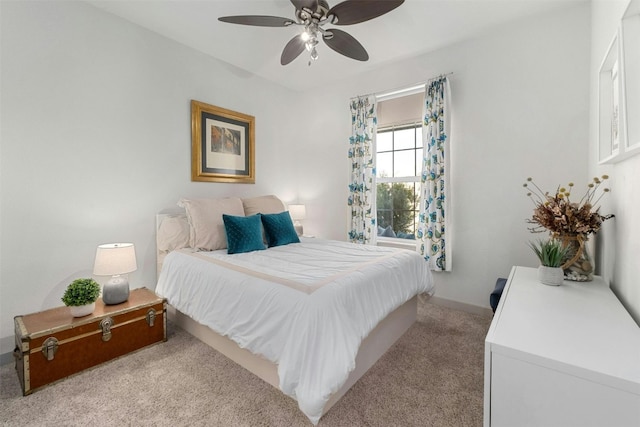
x=362 y=227
x=432 y=227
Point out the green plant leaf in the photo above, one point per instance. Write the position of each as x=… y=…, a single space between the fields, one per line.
x=81 y=292
x=551 y=252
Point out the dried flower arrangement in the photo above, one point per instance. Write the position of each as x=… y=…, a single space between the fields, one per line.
x=559 y=215
x=569 y=222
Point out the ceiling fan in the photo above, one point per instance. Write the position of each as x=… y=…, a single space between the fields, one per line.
x=313 y=15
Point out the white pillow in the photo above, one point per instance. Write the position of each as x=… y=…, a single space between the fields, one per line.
x=205 y=220
x=173 y=233
x=263 y=204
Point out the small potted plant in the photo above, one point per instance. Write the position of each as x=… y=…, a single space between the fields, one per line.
x=551 y=254
x=80 y=296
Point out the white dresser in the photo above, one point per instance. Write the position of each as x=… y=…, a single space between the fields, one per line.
x=561 y=356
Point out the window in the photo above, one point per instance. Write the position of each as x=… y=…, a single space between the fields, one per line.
x=398 y=170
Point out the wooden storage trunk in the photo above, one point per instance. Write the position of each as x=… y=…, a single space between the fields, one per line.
x=51 y=344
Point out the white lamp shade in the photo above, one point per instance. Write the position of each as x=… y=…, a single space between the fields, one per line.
x=297 y=212
x=115 y=258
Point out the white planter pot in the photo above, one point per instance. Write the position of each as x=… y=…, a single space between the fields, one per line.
x=82 y=310
x=552 y=276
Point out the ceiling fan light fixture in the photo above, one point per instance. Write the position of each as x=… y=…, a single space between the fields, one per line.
x=313 y=15
x=314 y=54
x=311 y=44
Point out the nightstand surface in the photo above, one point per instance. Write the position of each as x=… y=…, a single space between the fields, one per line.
x=60 y=317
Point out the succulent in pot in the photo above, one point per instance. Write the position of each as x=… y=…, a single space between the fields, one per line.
x=552 y=254
x=80 y=296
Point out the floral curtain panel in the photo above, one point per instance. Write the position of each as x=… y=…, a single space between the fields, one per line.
x=362 y=228
x=433 y=231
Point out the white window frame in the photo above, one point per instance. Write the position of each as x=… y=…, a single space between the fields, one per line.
x=398 y=241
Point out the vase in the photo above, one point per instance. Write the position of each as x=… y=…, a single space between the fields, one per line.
x=552 y=276
x=578 y=265
x=82 y=310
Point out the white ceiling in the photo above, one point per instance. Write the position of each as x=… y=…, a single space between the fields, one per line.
x=416 y=27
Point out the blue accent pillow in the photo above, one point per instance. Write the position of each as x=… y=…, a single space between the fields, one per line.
x=388 y=232
x=244 y=233
x=279 y=229
x=402 y=235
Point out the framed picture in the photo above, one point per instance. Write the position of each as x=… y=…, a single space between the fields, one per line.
x=610 y=128
x=222 y=145
x=630 y=55
x=619 y=91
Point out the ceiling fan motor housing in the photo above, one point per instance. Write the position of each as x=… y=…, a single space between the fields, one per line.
x=307 y=15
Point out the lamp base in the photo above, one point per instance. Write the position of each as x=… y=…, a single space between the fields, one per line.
x=298 y=227
x=116 y=290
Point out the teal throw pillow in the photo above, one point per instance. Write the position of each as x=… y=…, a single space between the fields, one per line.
x=244 y=233
x=279 y=229
x=388 y=232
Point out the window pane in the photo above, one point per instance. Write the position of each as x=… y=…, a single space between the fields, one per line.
x=419 y=136
x=383 y=202
x=384 y=164
x=405 y=138
x=397 y=209
x=384 y=141
x=410 y=215
x=404 y=163
x=419 y=159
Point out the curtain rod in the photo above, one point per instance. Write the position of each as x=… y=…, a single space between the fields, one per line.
x=401 y=89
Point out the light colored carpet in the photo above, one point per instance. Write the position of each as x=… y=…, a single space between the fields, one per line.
x=433 y=376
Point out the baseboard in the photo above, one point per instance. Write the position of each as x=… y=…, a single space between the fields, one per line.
x=6 y=345
x=457 y=305
x=6 y=358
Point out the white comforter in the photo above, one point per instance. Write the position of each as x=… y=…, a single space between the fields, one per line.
x=304 y=306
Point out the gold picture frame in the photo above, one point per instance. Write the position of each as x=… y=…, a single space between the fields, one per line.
x=222 y=145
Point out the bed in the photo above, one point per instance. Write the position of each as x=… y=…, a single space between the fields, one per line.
x=308 y=317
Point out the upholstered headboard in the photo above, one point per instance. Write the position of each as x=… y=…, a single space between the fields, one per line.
x=172 y=232
x=197 y=222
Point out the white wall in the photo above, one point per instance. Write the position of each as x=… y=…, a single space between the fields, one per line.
x=96 y=139
x=619 y=248
x=520 y=105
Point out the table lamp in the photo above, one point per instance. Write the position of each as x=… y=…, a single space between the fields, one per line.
x=115 y=260
x=298 y=213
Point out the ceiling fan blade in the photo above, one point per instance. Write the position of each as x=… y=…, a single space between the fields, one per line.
x=292 y=50
x=355 y=11
x=309 y=4
x=345 y=44
x=258 y=20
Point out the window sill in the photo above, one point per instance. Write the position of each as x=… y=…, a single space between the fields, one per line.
x=409 y=244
